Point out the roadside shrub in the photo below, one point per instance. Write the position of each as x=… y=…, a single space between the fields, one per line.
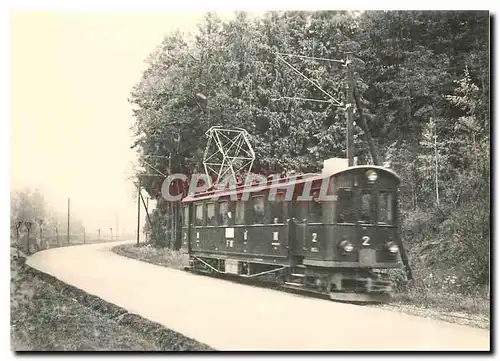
x=399 y=278
x=466 y=245
x=448 y=249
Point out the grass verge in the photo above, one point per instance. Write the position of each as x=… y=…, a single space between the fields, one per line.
x=441 y=299
x=147 y=253
x=416 y=299
x=49 y=315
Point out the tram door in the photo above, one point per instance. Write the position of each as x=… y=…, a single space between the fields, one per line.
x=297 y=228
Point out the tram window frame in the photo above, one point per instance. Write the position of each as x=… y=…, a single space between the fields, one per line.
x=315 y=202
x=185 y=215
x=240 y=206
x=211 y=221
x=346 y=206
x=224 y=219
x=277 y=209
x=390 y=213
x=372 y=206
x=254 y=198
x=199 y=222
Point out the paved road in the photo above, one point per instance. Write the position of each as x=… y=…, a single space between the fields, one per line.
x=229 y=316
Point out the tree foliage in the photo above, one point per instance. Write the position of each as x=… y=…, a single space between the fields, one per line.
x=422 y=78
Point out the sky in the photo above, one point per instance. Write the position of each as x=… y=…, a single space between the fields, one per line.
x=70 y=77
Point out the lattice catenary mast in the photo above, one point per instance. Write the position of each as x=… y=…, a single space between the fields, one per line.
x=228 y=154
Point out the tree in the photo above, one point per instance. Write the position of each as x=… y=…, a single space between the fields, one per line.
x=29 y=205
x=429 y=120
x=469 y=148
x=230 y=76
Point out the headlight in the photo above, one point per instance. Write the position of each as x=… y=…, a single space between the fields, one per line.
x=347 y=246
x=392 y=247
x=371 y=175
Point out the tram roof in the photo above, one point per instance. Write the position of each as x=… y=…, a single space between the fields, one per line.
x=279 y=183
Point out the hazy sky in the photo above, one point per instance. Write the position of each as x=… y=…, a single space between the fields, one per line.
x=71 y=75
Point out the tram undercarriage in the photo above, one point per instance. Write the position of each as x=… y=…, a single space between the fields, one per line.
x=339 y=284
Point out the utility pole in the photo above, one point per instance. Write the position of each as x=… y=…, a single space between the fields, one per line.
x=111 y=231
x=368 y=135
x=139 y=196
x=84 y=241
x=138 y=211
x=350 y=106
x=147 y=213
x=68 y=220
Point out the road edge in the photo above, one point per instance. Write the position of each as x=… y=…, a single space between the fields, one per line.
x=162 y=335
x=409 y=309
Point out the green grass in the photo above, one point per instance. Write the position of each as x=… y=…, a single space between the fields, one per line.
x=48 y=315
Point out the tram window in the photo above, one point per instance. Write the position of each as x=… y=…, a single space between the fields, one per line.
x=258 y=210
x=386 y=207
x=186 y=216
x=211 y=220
x=315 y=209
x=224 y=213
x=367 y=209
x=276 y=208
x=345 y=206
x=240 y=212
x=199 y=219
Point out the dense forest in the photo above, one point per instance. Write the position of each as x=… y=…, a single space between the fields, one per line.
x=422 y=81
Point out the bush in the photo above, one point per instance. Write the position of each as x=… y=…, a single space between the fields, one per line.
x=448 y=250
x=151 y=254
x=466 y=245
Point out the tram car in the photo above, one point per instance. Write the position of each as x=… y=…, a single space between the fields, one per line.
x=340 y=245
